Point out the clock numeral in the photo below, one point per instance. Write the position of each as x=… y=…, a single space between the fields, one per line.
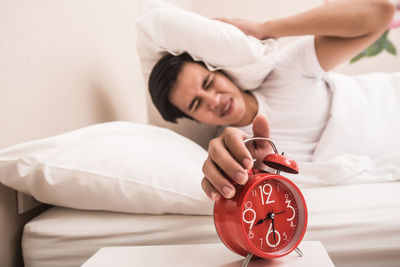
x=254 y=193
x=284 y=236
x=248 y=209
x=287 y=201
x=266 y=191
x=248 y=205
x=251 y=235
x=277 y=237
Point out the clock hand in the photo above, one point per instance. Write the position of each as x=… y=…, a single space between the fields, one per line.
x=269 y=215
x=273 y=227
x=259 y=222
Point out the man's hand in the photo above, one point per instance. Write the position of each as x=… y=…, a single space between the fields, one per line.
x=247 y=27
x=229 y=159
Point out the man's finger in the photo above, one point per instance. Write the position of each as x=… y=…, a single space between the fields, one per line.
x=217 y=179
x=210 y=190
x=230 y=164
x=233 y=141
x=261 y=129
x=260 y=126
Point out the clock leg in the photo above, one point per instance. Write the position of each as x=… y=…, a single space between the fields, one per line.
x=247 y=260
x=299 y=251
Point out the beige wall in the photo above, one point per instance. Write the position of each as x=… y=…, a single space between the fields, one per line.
x=67 y=64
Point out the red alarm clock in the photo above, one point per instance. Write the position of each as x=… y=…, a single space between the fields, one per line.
x=267 y=217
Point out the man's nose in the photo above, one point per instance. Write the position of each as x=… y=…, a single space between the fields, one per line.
x=211 y=98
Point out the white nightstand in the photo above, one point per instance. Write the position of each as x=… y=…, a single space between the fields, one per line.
x=204 y=255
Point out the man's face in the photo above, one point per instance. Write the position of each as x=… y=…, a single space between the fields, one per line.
x=208 y=97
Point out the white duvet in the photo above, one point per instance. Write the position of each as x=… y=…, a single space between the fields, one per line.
x=361 y=142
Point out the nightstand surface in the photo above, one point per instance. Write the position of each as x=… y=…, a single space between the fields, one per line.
x=201 y=255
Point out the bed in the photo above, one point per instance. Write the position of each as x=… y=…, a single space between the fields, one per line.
x=354 y=231
x=68 y=65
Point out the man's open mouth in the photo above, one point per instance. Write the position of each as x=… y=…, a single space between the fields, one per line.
x=227 y=108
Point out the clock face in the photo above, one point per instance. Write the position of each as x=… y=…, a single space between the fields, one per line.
x=270 y=215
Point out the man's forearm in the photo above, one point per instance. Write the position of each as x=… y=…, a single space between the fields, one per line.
x=339 y=19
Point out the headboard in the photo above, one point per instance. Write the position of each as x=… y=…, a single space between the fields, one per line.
x=66 y=65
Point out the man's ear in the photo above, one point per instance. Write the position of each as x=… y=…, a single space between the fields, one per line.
x=260 y=126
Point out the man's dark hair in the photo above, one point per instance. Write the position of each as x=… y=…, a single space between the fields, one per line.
x=162 y=78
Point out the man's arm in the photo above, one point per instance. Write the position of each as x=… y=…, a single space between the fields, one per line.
x=342 y=29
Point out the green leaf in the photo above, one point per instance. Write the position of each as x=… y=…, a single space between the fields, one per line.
x=389 y=46
x=375 y=48
x=358 y=57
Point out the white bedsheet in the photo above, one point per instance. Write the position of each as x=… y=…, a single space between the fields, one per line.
x=358 y=224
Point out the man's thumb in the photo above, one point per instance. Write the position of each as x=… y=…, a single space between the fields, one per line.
x=260 y=126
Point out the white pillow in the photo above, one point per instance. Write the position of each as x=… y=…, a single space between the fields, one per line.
x=115 y=166
x=164 y=27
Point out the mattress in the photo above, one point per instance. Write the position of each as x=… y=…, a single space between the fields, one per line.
x=358 y=224
x=67 y=237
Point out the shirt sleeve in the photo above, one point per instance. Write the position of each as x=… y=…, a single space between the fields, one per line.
x=300 y=58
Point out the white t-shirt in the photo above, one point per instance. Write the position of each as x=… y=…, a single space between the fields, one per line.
x=316 y=115
x=295 y=98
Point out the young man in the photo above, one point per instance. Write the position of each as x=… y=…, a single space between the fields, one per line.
x=295 y=98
